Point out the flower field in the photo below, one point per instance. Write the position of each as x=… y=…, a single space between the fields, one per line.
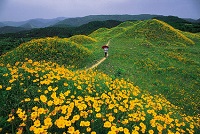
x=44 y=87
x=44 y=97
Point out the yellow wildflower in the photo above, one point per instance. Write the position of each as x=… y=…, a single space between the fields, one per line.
x=8 y=88
x=88 y=129
x=111 y=118
x=37 y=123
x=43 y=98
x=93 y=132
x=98 y=115
x=27 y=99
x=107 y=124
x=111 y=132
x=71 y=130
x=36 y=99
x=47 y=122
x=68 y=123
x=79 y=87
x=151 y=132
x=85 y=123
x=76 y=117
x=65 y=84
x=126 y=131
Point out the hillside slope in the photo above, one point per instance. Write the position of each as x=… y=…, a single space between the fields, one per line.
x=50 y=98
x=142 y=87
x=61 y=51
x=153 y=31
x=157 y=58
x=156 y=31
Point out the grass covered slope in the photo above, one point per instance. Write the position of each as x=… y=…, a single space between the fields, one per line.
x=156 y=31
x=44 y=97
x=152 y=31
x=57 y=50
x=39 y=95
x=82 y=39
x=157 y=58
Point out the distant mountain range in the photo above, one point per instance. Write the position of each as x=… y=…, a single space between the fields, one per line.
x=12 y=27
x=33 y=23
x=74 y=22
x=1 y=24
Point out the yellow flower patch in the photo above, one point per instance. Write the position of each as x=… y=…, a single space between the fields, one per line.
x=86 y=102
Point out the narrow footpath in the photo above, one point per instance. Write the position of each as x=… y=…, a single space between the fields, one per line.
x=100 y=61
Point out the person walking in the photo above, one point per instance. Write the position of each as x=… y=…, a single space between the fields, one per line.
x=105 y=47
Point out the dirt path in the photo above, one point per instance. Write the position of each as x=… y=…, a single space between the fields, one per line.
x=100 y=61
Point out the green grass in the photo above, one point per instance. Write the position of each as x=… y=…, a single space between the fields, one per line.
x=158 y=70
x=160 y=66
x=154 y=57
x=61 y=51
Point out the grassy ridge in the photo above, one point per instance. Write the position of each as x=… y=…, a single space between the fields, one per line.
x=167 y=64
x=55 y=49
x=156 y=31
x=39 y=94
x=82 y=39
x=12 y=40
x=151 y=31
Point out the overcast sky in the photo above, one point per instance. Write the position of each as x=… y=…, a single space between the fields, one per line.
x=18 y=10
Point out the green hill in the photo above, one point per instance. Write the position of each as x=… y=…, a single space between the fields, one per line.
x=12 y=40
x=153 y=31
x=61 y=51
x=142 y=87
x=157 y=58
x=82 y=39
x=156 y=31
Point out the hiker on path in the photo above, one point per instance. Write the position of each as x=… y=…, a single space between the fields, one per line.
x=105 y=47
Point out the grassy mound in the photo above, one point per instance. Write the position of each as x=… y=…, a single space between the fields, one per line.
x=153 y=31
x=82 y=39
x=43 y=97
x=170 y=70
x=116 y=31
x=101 y=34
x=99 y=31
x=57 y=50
x=126 y=24
x=156 y=31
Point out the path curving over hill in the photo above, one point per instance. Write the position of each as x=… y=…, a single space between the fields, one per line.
x=99 y=62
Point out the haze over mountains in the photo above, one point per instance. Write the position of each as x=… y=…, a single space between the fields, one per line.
x=37 y=23
x=12 y=27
